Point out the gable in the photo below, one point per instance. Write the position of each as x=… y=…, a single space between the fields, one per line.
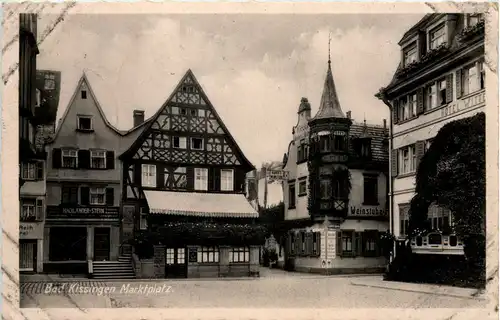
x=186 y=121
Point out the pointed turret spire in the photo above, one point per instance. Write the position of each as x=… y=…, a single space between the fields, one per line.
x=329 y=106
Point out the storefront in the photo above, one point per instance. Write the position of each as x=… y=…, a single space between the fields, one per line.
x=30 y=246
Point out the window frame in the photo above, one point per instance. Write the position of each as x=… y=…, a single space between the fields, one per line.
x=26 y=203
x=431 y=96
x=408 y=163
x=237 y=253
x=84 y=117
x=410 y=48
x=404 y=219
x=226 y=184
x=69 y=155
x=92 y=156
x=94 y=191
x=29 y=167
x=302 y=185
x=291 y=195
x=201 y=179
x=466 y=78
x=180 y=145
x=204 y=254
x=150 y=181
x=69 y=190
x=432 y=41
x=348 y=234
x=371 y=199
x=143 y=218
x=83 y=94
x=191 y=140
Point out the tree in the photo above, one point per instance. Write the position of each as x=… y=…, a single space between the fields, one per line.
x=452 y=174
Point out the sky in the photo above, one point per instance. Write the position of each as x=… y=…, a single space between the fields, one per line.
x=254 y=68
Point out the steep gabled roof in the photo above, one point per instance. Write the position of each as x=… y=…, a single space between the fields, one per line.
x=84 y=79
x=144 y=134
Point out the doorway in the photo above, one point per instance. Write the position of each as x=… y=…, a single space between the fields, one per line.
x=101 y=244
x=27 y=256
x=175 y=263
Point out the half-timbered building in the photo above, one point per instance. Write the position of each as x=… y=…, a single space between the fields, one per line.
x=82 y=229
x=184 y=175
x=335 y=194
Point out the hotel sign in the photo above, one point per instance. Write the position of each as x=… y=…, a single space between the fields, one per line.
x=368 y=212
x=464 y=104
x=30 y=230
x=277 y=174
x=90 y=212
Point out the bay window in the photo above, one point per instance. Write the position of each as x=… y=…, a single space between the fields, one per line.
x=148 y=175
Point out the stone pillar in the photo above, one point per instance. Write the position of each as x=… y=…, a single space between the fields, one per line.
x=254 y=260
x=224 y=252
x=90 y=243
x=159 y=261
x=39 y=255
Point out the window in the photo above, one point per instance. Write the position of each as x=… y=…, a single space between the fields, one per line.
x=32 y=170
x=240 y=255
x=404 y=219
x=148 y=175
x=439 y=218
x=324 y=142
x=413 y=105
x=143 y=223
x=370 y=190
x=179 y=180
x=28 y=209
x=407 y=159
x=98 y=159
x=208 y=255
x=180 y=142
x=84 y=94
x=226 y=180
x=292 y=243
x=410 y=55
x=442 y=92
x=316 y=249
x=404 y=110
x=431 y=97
x=291 y=195
x=197 y=143
x=170 y=256
x=183 y=111
x=325 y=189
x=69 y=194
x=366 y=147
x=471 y=80
x=437 y=37
x=301 y=151
x=473 y=19
x=302 y=188
x=84 y=123
x=347 y=242
x=338 y=192
x=201 y=179
x=69 y=159
x=370 y=239
x=339 y=142
x=97 y=196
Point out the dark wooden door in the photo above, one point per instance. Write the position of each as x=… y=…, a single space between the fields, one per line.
x=175 y=263
x=101 y=244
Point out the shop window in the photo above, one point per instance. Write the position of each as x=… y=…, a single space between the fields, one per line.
x=240 y=254
x=208 y=255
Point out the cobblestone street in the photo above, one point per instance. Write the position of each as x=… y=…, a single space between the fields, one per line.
x=276 y=290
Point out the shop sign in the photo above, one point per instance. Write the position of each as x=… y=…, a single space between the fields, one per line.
x=33 y=230
x=331 y=244
x=463 y=104
x=368 y=212
x=277 y=174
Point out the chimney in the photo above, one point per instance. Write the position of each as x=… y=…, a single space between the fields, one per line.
x=385 y=124
x=138 y=117
x=348 y=114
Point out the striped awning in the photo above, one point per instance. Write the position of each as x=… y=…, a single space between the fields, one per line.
x=218 y=205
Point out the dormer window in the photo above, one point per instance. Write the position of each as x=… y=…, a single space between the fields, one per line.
x=366 y=148
x=410 y=54
x=85 y=123
x=84 y=94
x=473 y=19
x=437 y=37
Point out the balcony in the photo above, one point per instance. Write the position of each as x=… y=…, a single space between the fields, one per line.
x=83 y=213
x=437 y=243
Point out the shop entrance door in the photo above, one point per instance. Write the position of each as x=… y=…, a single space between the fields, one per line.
x=175 y=263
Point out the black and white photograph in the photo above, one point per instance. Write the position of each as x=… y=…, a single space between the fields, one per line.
x=249 y=160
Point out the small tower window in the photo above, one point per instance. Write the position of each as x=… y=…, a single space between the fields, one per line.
x=84 y=94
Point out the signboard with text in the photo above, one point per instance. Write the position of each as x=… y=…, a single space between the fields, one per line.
x=277 y=175
x=356 y=211
x=88 y=212
x=30 y=230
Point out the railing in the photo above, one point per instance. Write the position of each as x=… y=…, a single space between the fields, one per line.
x=437 y=243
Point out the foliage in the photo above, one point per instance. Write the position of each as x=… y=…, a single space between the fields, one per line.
x=386 y=240
x=269 y=256
x=143 y=245
x=452 y=175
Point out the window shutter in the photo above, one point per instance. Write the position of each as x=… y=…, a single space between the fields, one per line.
x=318 y=244
x=420 y=101
x=84 y=159
x=422 y=44
x=458 y=80
x=39 y=170
x=394 y=163
x=39 y=209
x=419 y=150
x=449 y=88
x=395 y=111
x=308 y=243
x=160 y=176
x=298 y=244
x=358 y=243
x=85 y=196
x=190 y=178
x=56 y=158
x=216 y=180
x=110 y=197
x=138 y=174
x=339 y=243
x=110 y=160
x=378 y=243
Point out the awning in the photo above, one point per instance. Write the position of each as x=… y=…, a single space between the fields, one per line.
x=220 y=205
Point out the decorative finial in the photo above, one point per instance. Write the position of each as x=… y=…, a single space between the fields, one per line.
x=329 y=41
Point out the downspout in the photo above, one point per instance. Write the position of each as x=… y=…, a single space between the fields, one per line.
x=382 y=96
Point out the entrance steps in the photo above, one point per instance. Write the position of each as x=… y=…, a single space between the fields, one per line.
x=121 y=269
